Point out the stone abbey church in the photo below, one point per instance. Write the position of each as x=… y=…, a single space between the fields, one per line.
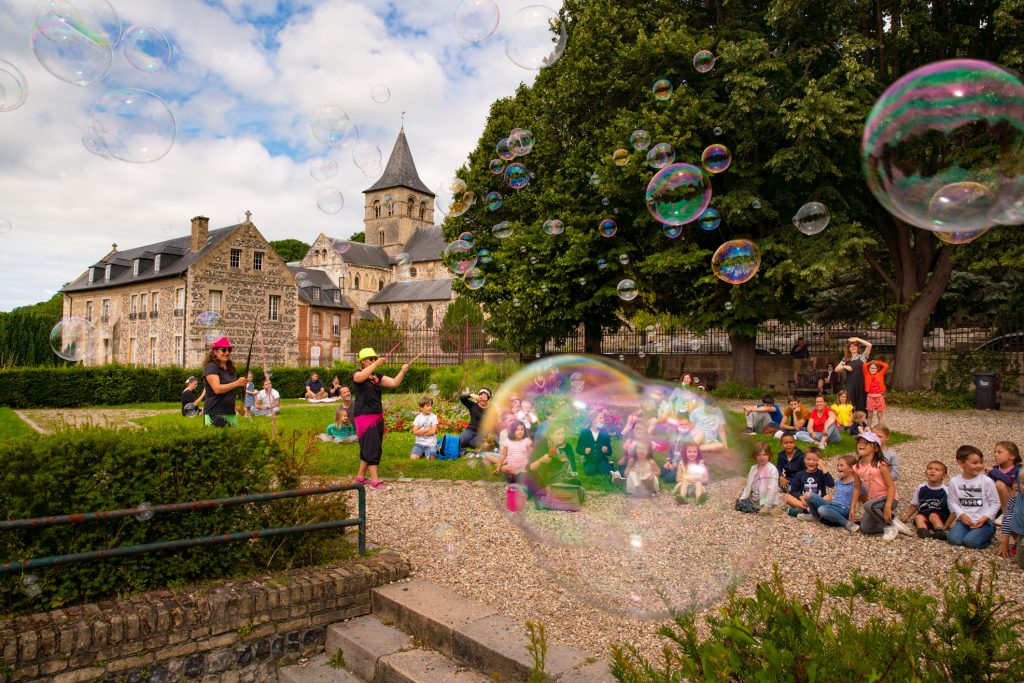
x=144 y=301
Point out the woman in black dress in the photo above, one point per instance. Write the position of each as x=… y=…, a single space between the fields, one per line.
x=852 y=364
x=220 y=381
x=368 y=413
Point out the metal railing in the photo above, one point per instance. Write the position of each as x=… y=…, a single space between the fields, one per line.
x=180 y=544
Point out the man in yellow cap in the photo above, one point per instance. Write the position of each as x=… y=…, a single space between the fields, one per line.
x=368 y=412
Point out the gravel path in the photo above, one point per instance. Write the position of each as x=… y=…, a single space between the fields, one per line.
x=605 y=576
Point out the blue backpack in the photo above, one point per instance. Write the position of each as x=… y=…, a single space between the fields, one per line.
x=448 y=447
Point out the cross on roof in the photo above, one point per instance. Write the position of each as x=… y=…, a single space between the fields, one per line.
x=248 y=215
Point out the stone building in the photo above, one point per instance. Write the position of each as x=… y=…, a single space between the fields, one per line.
x=145 y=302
x=324 y=318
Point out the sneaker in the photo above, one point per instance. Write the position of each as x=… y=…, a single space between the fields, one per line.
x=852 y=527
x=939 y=535
x=617 y=477
x=923 y=533
x=823 y=444
x=807 y=517
x=890 y=533
x=902 y=527
x=361 y=480
x=378 y=485
x=750 y=432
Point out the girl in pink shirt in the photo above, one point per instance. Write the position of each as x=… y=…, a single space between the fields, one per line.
x=878 y=491
x=515 y=452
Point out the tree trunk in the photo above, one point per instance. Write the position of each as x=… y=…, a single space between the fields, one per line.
x=592 y=338
x=743 y=359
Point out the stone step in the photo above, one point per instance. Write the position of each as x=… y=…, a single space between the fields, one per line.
x=472 y=633
x=362 y=642
x=424 y=666
x=316 y=670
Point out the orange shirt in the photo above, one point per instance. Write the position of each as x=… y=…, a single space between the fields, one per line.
x=875 y=384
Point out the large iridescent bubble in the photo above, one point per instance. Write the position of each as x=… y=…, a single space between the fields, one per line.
x=130 y=125
x=333 y=127
x=736 y=261
x=943 y=148
x=476 y=20
x=535 y=37
x=453 y=197
x=812 y=218
x=74 y=39
x=459 y=256
x=710 y=220
x=516 y=176
x=74 y=339
x=606 y=540
x=678 y=194
x=716 y=158
x=13 y=86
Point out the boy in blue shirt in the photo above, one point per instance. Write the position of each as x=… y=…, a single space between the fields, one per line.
x=813 y=480
x=762 y=416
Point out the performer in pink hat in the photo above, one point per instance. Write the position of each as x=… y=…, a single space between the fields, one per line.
x=221 y=379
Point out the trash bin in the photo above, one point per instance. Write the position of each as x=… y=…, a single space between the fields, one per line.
x=985 y=390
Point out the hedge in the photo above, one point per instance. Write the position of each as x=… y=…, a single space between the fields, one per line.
x=105 y=385
x=95 y=470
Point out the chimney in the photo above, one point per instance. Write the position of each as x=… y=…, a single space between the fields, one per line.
x=200 y=232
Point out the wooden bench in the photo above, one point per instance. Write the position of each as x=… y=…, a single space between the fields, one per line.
x=806 y=384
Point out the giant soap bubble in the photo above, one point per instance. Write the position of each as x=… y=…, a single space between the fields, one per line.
x=678 y=194
x=13 y=86
x=943 y=148
x=131 y=125
x=332 y=126
x=460 y=257
x=74 y=39
x=453 y=197
x=534 y=37
x=73 y=339
x=476 y=20
x=736 y=261
x=614 y=547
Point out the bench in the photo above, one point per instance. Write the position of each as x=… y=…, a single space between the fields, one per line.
x=806 y=384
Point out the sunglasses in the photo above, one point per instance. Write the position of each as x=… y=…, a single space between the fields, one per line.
x=224 y=350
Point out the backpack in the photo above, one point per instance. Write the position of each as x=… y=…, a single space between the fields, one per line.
x=447 y=447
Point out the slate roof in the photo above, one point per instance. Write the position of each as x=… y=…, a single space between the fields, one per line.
x=318 y=279
x=426 y=244
x=414 y=290
x=360 y=254
x=401 y=169
x=179 y=247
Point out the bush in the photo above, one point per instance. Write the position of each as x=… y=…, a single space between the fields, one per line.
x=931 y=400
x=95 y=470
x=972 y=635
x=733 y=389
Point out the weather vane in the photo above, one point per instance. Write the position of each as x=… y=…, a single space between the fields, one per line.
x=403 y=118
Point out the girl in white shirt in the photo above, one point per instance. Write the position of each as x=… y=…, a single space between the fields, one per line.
x=515 y=452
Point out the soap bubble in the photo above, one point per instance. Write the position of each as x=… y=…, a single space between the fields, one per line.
x=380 y=93
x=756 y=204
x=661 y=155
x=595 y=179
x=961 y=237
x=459 y=257
x=812 y=218
x=943 y=147
x=494 y=200
x=131 y=125
x=73 y=339
x=30 y=586
x=678 y=194
x=497 y=166
x=145 y=512
x=662 y=89
x=433 y=390
x=620 y=157
x=484 y=256
x=612 y=529
x=502 y=230
x=211 y=336
x=520 y=141
x=710 y=220
x=604 y=201
x=332 y=126
x=704 y=61
x=453 y=198
x=366 y=156
x=736 y=261
x=554 y=226
x=13 y=86
x=608 y=227
x=504 y=149
x=75 y=41
x=474 y=278
x=672 y=231
x=403 y=259
x=209 y=319
x=342 y=246
x=476 y=20
x=190 y=410
x=717 y=130
x=535 y=37
x=146 y=48
x=875 y=325
x=624 y=259
x=728 y=305
x=468 y=237
x=602 y=263
x=640 y=139
x=323 y=168
x=516 y=176
x=716 y=158
x=330 y=200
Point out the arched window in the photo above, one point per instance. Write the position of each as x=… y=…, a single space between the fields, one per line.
x=355 y=281
x=412 y=272
x=423 y=209
x=430 y=317
x=391 y=208
x=382 y=236
x=387 y=313
x=412 y=201
x=380 y=285
x=376 y=208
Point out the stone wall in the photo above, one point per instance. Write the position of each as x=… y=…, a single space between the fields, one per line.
x=241 y=630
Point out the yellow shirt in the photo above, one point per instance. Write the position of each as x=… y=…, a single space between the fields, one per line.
x=844 y=413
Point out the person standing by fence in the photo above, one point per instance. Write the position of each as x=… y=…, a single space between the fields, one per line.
x=369 y=413
x=853 y=364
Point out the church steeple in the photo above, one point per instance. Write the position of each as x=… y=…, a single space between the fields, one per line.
x=399 y=203
x=401 y=170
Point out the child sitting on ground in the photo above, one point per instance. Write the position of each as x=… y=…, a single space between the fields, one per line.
x=691 y=475
x=813 y=480
x=859 y=424
x=840 y=508
x=790 y=461
x=929 y=508
x=424 y=428
x=341 y=430
x=642 y=472
x=878 y=490
x=889 y=454
x=1013 y=516
x=973 y=500
x=515 y=452
x=1005 y=472
x=761 y=493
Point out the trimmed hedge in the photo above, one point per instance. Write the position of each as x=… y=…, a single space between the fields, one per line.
x=95 y=470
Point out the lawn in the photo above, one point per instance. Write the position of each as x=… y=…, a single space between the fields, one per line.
x=12 y=426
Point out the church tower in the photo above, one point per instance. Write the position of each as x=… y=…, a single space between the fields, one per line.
x=398 y=203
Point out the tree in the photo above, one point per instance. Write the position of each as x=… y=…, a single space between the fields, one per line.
x=25 y=334
x=462 y=314
x=358 y=237
x=290 y=249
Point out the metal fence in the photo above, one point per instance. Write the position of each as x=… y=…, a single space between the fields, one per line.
x=434 y=346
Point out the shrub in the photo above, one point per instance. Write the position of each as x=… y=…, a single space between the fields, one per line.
x=94 y=470
x=972 y=635
x=734 y=389
x=931 y=400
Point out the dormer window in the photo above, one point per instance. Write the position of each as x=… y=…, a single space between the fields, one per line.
x=106 y=273
x=337 y=297
x=92 y=275
x=135 y=267
x=315 y=293
x=156 y=264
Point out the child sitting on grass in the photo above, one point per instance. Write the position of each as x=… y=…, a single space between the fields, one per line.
x=515 y=452
x=691 y=475
x=790 y=461
x=761 y=493
x=859 y=424
x=973 y=500
x=341 y=430
x=642 y=472
x=813 y=480
x=424 y=428
x=929 y=508
x=840 y=508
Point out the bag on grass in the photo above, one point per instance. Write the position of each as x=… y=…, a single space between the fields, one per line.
x=448 y=447
x=745 y=505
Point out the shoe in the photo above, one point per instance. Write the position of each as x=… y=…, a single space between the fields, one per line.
x=379 y=485
x=750 y=432
x=852 y=527
x=361 y=480
x=939 y=535
x=807 y=517
x=902 y=527
x=924 y=533
x=1013 y=551
x=617 y=478
x=823 y=444
x=890 y=533
x=681 y=500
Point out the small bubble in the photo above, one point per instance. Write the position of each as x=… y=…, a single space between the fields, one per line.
x=145 y=512
x=30 y=586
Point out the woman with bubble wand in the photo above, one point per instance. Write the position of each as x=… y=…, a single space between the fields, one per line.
x=368 y=411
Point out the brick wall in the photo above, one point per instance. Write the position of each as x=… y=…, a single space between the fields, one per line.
x=240 y=630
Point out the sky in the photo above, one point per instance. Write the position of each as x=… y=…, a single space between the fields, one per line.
x=244 y=78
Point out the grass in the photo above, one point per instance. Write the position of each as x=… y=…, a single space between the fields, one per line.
x=12 y=426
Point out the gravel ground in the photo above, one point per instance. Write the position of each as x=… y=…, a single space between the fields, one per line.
x=604 y=576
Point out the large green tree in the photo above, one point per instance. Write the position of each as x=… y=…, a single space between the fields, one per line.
x=794 y=83
x=290 y=249
x=25 y=334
